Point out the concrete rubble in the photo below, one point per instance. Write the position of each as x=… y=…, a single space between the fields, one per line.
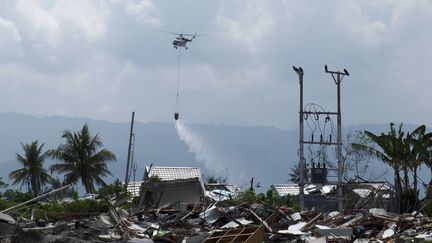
x=222 y=221
x=212 y=219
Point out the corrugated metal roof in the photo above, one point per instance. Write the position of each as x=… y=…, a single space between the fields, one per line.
x=233 y=188
x=287 y=189
x=134 y=187
x=294 y=189
x=174 y=173
x=228 y=187
x=362 y=192
x=365 y=188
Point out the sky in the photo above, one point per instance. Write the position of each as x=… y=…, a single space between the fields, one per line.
x=104 y=59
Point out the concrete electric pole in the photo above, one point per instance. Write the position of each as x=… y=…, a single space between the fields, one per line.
x=303 y=115
x=337 y=77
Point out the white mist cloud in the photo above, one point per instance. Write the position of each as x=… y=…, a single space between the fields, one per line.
x=214 y=161
x=202 y=149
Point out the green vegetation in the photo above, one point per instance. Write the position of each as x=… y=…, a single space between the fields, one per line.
x=153 y=178
x=74 y=207
x=32 y=175
x=404 y=153
x=295 y=173
x=13 y=197
x=53 y=206
x=116 y=190
x=247 y=196
x=270 y=199
x=82 y=160
x=2 y=185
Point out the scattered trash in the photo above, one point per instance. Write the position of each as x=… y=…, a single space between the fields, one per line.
x=217 y=217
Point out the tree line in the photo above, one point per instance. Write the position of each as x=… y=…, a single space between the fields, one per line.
x=81 y=159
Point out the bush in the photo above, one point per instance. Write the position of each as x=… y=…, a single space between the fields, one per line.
x=115 y=189
x=4 y=204
x=74 y=207
x=350 y=199
x=270 y=198
x=15 y=196
x=247 y=196
x=290 y=201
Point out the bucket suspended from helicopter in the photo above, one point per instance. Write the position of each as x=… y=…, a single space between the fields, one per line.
x=179 y=42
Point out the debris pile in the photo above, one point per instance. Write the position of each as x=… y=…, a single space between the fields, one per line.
x=220 y=221
x=174 y=205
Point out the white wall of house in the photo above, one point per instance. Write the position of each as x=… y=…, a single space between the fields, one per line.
x=182 y=193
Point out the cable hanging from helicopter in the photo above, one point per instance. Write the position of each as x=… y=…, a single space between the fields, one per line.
x=179 y=42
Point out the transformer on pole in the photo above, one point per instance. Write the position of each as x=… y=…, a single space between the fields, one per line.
x=319 y=174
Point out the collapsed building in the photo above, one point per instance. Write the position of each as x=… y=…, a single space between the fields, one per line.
x=323 y=197
x=179 y=186
x=176 y=206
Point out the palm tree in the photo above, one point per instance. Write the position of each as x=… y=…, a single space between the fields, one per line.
x=82 y=160
x=391 y=150
x=295 y=173
x=2 y=183
x=420 y=143
x=32 y=174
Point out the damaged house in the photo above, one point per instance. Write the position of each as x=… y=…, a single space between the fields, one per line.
x=318 y=196
x=180 y=186
x=221 y=191
x=324 y=196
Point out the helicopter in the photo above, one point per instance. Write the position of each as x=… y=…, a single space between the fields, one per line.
x=181 y=40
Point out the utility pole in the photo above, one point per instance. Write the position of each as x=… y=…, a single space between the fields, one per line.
x=337 y=77
x=129 y=151
x=300 y=74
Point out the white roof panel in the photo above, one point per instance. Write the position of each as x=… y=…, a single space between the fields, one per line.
x=174 y=173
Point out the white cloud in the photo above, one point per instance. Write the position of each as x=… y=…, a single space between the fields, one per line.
x=403 y=11
x=64 y=21
x=10 y=39
x=248 y=27
x=378 y=22
x=235 y=82
x=86 y=17
x=44 y=28
x=98 y=58
x=353 y=17
x=143 y=11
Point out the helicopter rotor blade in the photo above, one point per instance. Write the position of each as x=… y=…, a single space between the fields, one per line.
x=196 y=34
x=169 y=32
x=182 y=34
